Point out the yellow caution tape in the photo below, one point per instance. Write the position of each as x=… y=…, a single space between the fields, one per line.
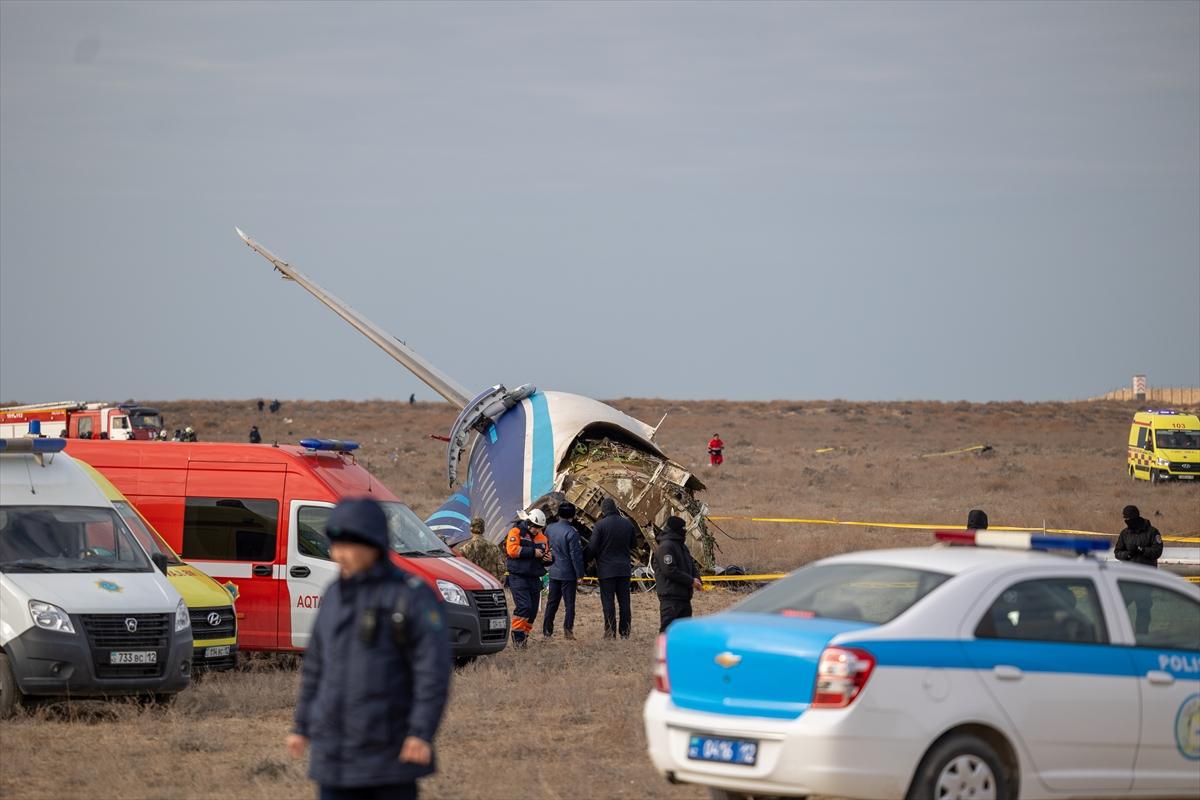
x=973 y=448
x=824 y=449
x=912 y=526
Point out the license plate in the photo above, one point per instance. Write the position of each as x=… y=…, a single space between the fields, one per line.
x=133 y=657
x=216 y=652
x=725 y=751
x=499 y=623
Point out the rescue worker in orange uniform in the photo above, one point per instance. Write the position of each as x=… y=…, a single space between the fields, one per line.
x=528 y=552
x=716 y=451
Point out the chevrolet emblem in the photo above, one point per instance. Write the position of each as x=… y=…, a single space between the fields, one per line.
x=728 y=659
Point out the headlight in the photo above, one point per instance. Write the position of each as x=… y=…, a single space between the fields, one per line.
x=453 y=593
x=50 y=617
x=182 y=620
x=1162 y=462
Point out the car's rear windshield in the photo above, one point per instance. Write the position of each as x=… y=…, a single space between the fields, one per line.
x=856 y=592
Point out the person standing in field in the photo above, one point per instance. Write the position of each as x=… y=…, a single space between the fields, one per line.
x=528 y=553
x=481 y=552
x=1139 y=542
x=565 y=572
x=977 y=520
x=613 y=540
x=675 y=575
x=716 y=451
x=255 y=436
x=377 y=671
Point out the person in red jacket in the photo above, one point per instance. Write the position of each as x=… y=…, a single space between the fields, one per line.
x=716 y=449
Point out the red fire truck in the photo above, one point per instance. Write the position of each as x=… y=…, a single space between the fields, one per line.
x=74 y=420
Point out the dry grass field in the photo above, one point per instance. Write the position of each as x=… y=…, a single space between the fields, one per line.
x=562 y=720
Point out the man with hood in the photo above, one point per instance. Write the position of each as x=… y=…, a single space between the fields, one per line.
x=565 y=571
x=977 y=520
x=675 y=575
x=377 y=671
x=1140 y=542
x=613 y=541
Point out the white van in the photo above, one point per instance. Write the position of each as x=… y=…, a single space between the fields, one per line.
x=83 y=610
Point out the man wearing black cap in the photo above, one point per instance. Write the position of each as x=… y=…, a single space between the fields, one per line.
x=377 y=670
x=565 y=570
x=1140 y=542
x=977 y=520
x=675 y=576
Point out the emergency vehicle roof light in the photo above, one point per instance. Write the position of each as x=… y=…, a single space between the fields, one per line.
x=331 y=445
x=1015 y=540
x=1165 y=411
x=32 y=445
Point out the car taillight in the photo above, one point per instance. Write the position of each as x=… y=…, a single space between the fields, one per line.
x=842 y=672
x=662 y=683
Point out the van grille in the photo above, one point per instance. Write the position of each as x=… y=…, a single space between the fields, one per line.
x=202 y=629
x=1184 y=466
x=491 y=604
x=110 y=632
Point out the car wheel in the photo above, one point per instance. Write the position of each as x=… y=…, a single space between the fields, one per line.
x=962 y=766
x=10 y=694
x=1155 y=477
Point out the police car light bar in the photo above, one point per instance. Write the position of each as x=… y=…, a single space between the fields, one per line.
x=1022 y=541
x=330 y=445
x=32 y=445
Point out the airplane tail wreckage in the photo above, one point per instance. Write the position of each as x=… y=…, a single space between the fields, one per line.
x=526 y=448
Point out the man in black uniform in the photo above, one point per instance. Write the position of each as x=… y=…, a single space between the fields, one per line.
x=377 y=671
x=613 y=540
x=255 y=436
x=675 y=576
x=1140 y=542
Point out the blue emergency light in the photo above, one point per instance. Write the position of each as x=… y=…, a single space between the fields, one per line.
x=1016 y=540
x=329 y=445
x=32 y=445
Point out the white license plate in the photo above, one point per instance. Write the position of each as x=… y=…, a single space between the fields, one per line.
x=498 y=623
x=216 y=652
x=133 y=657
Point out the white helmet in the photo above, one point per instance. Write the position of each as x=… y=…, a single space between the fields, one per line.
x=537 y=518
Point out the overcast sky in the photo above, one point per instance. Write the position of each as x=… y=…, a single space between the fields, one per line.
x=786 y=200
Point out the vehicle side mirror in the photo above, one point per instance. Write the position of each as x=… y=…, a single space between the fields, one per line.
x=160 y=561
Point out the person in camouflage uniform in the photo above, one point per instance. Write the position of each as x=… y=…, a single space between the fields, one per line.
x=483 y=553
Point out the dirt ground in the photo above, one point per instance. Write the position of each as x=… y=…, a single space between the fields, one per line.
x=563 y=719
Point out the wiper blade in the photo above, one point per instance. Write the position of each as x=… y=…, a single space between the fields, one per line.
x=101 y=568
x=412 y=553
x=30 y=565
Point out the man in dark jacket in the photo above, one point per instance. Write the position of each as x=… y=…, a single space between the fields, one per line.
x=565 y=571
x=613 y=540
x=675 y=575
x=1140 y=542
x=255 y=436
x=377 y=670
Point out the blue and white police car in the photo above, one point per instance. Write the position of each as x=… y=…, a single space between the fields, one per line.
x=988 y=671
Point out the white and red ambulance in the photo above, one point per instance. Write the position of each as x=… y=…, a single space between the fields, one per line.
x=253 y=517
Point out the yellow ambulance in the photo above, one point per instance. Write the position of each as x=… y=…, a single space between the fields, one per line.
x=1164 y=446
x=210 y=605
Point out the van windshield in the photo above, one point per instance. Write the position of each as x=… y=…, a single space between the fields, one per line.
x=147 y=537
x=856 y=592
x=1177 y=440
x=67 y=539
x=409 y=535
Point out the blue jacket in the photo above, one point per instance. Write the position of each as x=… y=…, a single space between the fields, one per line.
x=568 y=551
x=362 y=692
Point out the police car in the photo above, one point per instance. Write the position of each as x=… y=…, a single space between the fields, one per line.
x=993 y=670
